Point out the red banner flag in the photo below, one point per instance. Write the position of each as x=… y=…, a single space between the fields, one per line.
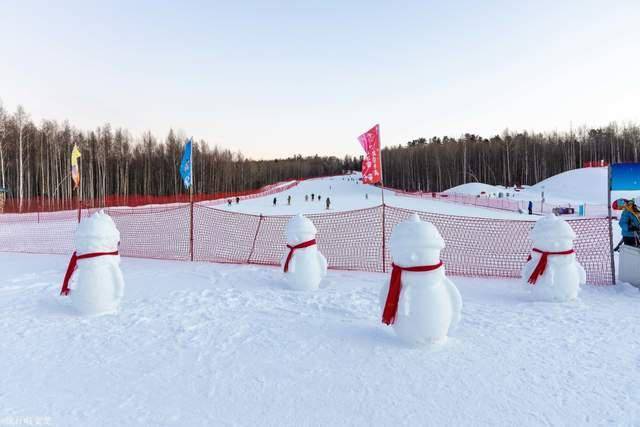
x=371 y=166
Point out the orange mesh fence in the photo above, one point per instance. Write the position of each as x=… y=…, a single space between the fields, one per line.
x=43 y=204
x=351 y=240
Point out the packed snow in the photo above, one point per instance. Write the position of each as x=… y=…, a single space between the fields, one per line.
x=553 y=267
x=204 y=344
x=100 y=285
x=304 y=266
x=422 y=306
x=348 y=193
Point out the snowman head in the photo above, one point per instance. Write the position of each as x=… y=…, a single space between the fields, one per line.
x=300 y=229
x=552 y=234
x=415 y=243
x=98 y=233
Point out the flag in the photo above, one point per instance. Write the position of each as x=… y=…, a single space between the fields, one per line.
x=185 y=165
x=75 y=171
x=371 y=166
x=625 y=177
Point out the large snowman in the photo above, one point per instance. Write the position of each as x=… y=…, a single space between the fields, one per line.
x=420 y=302
x=552 y=268
x=304 y=266
x=99 y=284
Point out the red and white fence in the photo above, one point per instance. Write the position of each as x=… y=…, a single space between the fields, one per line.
x=504 y=203
x=351 y=240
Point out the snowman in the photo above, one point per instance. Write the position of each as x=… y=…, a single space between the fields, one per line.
x=99 y=283
x=304 y=266
x=552 y=268
x=420 y=302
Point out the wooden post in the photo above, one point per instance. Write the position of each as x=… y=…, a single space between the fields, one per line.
x=613 y=263
x=191 y=201
x=255 y=238
x=79 y=190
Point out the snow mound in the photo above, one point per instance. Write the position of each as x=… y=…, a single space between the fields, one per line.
x=475 y=188
x=586 y=184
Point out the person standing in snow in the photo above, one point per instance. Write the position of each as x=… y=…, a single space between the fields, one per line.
x=530 y=207
x=275 y=200
x=312 y=196
x=306 y=197
x=289 y=200
x=319 y=197
x=328 y=203
x=237 y=200
x=630 y=223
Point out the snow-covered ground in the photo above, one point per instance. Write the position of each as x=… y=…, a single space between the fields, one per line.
x=347 y=193
x=204 y=344
x=573 y=187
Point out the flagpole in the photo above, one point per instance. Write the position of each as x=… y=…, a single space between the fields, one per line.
x=79 y=188
x=191 y=199
x=381 y=168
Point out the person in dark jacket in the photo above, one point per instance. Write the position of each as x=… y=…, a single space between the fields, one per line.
x=328 y=202
x=530 y=207
x=630 y=223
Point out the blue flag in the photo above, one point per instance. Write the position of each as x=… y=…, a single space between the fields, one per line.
x=625 y=176
x=185 y=165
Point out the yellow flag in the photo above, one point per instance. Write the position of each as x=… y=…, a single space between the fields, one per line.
x=75 y=171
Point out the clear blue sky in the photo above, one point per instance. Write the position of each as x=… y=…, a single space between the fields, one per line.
x=277 y=78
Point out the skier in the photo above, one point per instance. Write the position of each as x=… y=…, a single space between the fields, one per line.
x=328 y=202
x=237 y=200
x=366 y=196
x=530 y=207
x=630 y=223
x=289 y=200
x=319 y=197
x=313 y=197
x=275 y=200
x=306 y=197
x=229 y=202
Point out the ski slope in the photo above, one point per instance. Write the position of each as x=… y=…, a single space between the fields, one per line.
x=347 y=193
x=202 y=344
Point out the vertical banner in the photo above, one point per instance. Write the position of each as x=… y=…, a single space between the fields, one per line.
x=75 y=170
x=371 y=166
x=185 y=165
x=625 y=177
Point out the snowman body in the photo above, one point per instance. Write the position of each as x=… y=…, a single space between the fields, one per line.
x=307 y=266
x=99 y=282
x=429 y=306
x=563 y=274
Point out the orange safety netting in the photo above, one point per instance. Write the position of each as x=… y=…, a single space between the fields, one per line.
x=350 y=240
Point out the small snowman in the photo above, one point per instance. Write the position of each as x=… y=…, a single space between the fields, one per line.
x=420 y=302
x=304 y=266
x=99 y=283
x=552 y=267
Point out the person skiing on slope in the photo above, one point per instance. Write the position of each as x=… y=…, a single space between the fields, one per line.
x=275 y=200
x=306 y=197
x=313 y=197
x=328 y=202
x=237 y=200
x=630 y=223
x=289 y=200
x=530 y=207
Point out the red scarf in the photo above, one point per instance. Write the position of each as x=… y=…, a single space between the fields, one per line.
x=395 y=286
x=73 y=263
x=293 y=248
x=542 y=264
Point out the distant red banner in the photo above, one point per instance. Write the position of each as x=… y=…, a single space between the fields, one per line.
x=371 y=166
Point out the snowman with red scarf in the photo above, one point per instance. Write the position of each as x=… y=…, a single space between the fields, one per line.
x=99 y=284
x=552 y=269
x=420 y=302
x=304 y=266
